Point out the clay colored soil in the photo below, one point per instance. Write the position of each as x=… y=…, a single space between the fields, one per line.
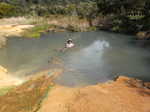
x=123 y=95
x=28 y=96
x=40 y=94
x=10 y=27
x=13 y=30
x=8 y=80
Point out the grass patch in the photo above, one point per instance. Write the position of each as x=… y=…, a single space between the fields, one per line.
x=36 y=31
x=5 y=90
x=55 y=23
x=137 y=17
x=92 y=28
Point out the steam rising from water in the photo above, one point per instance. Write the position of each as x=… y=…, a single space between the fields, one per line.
x=97 y=57
x=97 y=46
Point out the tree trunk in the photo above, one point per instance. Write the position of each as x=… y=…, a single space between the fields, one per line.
x=90 y=21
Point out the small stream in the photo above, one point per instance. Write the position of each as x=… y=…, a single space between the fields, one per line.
x=97 y=57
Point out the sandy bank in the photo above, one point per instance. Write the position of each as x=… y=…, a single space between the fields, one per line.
x=8 y=80
x=13 y=30
x=12 y=27
x=123 y=95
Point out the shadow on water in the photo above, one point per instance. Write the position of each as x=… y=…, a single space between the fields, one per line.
x=97 y=57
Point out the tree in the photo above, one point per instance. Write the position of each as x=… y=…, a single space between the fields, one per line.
x=87 y=10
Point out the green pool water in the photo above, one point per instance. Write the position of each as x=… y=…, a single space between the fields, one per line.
x=97 y=57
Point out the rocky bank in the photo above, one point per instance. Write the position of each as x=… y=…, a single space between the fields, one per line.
x=123 y=95
x=40 y=94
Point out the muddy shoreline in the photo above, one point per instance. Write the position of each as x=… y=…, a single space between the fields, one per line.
x=40 y=94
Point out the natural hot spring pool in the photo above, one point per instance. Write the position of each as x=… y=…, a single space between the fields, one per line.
x=97 y=57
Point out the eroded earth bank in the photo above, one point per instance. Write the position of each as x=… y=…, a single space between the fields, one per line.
x=40 y=94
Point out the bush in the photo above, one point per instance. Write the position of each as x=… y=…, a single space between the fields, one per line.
x=7 y=10
x=36 y=31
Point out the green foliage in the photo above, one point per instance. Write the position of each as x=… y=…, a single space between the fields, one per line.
x=122 y=12
x=5 y=90
x=92 y=28
x=128 y=16
x=70 y=9
x=73 y=28
x=36 y=31
x=136 y=17
x=7 y=10
x=115 y=28
x=87 y=9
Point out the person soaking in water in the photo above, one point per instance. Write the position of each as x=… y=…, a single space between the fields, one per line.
x=69 y=44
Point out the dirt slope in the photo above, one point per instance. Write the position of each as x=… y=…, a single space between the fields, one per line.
x=28 y=96
x=8 y=80
x=124 y=95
